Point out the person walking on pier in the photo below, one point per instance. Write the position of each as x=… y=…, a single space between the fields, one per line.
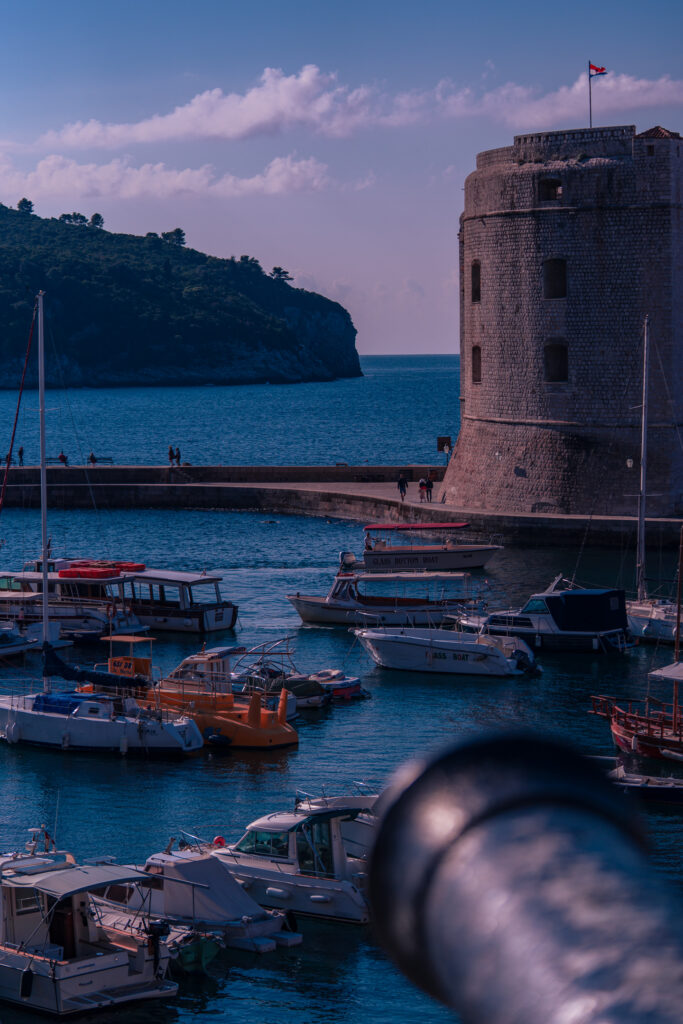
x=422 y=485
x=402 y=486
x=177 y=456
x=20 y=453
x=63 y=459
x=171 y=455
x=430 y=486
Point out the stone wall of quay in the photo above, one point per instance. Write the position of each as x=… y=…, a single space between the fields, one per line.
x=607 y=203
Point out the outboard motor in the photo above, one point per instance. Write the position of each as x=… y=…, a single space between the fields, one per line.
x=157 y=930
x=347 y=560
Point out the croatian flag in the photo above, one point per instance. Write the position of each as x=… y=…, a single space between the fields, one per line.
x=594 y=71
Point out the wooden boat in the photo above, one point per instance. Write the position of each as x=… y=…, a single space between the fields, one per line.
x=382 y=553
x=650 y=727
x=404 y=599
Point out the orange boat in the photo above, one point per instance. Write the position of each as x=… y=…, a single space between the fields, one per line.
x=223 y=719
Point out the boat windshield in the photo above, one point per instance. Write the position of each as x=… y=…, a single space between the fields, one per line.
x=314 y=849
x=264 y=844
x=536 y=606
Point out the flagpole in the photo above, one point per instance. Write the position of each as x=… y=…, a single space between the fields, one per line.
x=590 y=98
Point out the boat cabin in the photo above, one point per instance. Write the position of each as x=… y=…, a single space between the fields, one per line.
x=211 y=668
x=410 y=588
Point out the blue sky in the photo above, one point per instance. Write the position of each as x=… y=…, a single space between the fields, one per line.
x=331 y=139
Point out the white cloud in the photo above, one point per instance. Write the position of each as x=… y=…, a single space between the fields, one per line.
x=310 y=98
x=57 y=175
x=521 y=106
x=314 y=100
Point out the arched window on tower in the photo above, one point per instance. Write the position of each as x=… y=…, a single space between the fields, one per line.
x=476 y=281
x=476 y=364
x=555 y=279
x=556 y=361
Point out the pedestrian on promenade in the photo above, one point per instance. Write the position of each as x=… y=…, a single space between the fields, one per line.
x=91 y=459
x=430 y=487
x=402 y=486
x=177 y=456
x=171 y=455
x=20 y=453
x=423 y=489
x=63 y=459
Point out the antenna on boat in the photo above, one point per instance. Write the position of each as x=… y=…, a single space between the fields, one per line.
x=640 y=559
x=43 y=484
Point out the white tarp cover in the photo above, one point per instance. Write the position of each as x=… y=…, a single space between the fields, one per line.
x=224 y=899
x=75 y=879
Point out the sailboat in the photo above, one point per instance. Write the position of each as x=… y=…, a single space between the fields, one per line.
x=649 y=618
x=651 y=728
x=76 y=720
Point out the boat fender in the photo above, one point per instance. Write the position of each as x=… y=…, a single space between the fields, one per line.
x=123 y=745
x=218 y=841
x=26 y=984
x=66 y=741
x=13 y=733
x=110 y=611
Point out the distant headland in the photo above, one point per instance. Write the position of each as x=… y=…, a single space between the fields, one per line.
x=129 y=310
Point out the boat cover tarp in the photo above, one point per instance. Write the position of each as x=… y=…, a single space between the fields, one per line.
x=54 y=666
x=588 y=611
x=63 y=703
x=223 y=900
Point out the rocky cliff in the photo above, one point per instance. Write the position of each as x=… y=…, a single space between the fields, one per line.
x=127 y=310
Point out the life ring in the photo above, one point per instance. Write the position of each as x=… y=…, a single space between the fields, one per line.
x=218 y=841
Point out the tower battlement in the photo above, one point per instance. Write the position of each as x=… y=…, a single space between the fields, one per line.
x=567 y=240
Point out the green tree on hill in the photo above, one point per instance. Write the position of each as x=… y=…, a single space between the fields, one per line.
x=97 y=220
x=175 y=237
x=25 y=206
x=73 y=218
x=280 y=274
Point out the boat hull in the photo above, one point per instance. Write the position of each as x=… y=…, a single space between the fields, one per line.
x=429 y=558
x=440 y=656
x=312 y=897
x=318 y=611
x=187 y=620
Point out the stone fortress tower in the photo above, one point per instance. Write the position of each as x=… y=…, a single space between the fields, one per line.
x=567 y=240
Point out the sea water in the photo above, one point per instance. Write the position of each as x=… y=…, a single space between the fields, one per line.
x=130 y=808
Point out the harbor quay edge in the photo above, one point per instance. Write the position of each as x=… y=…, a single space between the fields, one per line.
x=361 y=493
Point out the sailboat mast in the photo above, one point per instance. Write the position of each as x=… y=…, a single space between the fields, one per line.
x=43 y=476
x=640 y=556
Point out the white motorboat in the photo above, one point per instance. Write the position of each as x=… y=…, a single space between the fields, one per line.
x=21 y=624
x=55 y=957
x=191 y=888
x=558 y=619
x=390 y=599
x=382 y=553
x=446 y=652
x=297 y=860
x=652 y=619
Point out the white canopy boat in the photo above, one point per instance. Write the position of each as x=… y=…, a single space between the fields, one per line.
x=382 y=553
x=446 y=652
x=191 y=888
x=297 y=860
x=390 y=599
x=85 y=607
x=55 y=957
x=21 y=619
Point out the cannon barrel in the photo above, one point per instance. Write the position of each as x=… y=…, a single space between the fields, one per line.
x=510 y=879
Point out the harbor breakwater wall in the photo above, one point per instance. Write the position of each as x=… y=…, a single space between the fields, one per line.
x=363 y=493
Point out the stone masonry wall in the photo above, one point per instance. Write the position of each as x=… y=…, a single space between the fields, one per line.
x=608 y=203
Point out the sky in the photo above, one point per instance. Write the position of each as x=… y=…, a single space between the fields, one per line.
x=331 y=139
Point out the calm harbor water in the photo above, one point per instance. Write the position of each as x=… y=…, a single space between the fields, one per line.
x=130 y=808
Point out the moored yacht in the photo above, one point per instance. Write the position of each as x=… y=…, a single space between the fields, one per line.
x=390 y=599
x=445 y=553
x=446 y=651
x=55 y=957
x=191 y=888
x=297 y=860
x=561 y=619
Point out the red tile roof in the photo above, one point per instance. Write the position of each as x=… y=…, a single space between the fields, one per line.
x=658 y=133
